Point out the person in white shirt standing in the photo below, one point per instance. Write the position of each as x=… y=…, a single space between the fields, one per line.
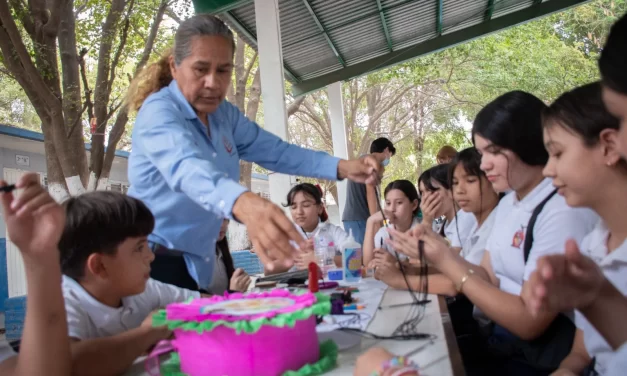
x=582 y=140
x=531 y=221
x=109 y=295
x=34 y=223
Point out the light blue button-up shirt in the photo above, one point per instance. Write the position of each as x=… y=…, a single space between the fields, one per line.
x=188 y=176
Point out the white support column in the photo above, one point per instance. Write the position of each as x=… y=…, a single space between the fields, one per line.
x=272 y=84
x=338 y=133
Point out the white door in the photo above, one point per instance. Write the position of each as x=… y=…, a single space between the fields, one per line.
x=15 y=264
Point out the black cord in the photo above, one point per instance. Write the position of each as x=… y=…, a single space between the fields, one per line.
x=409 y=327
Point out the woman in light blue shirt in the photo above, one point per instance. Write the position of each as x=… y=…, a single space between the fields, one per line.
x=187 y=144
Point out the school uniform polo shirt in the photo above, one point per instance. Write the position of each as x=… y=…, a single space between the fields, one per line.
x=6 y=351
x=87 y=318
x=457 y=230
x=474 y=246
x=618 y=363
x=614 y=266
x=382 y=235
x=555 y=224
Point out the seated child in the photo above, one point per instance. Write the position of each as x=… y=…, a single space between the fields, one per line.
x=34 y=222
x=109 y=296
x=225 y=276
x=312 y=222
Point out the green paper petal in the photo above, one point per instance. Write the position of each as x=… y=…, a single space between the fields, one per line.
x=328 y=361
x=320 y=308
x=172 y=366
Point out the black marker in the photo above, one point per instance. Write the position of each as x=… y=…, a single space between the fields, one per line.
x=7 y=188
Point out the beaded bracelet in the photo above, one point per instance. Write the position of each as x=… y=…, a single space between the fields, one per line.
x=397 y=361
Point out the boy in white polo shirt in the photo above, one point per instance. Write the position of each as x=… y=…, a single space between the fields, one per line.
x=109 y=296
x=34 y=223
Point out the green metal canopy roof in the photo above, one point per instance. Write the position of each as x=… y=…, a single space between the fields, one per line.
x=326 y=41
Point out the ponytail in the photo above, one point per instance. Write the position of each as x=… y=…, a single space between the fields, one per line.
x=149 y=80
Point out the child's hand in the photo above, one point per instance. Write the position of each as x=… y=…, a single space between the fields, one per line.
x=371 y=361
x=160 y=332
x=383 y=258
x=239 y=281
x=34 y=220
x=563 y=282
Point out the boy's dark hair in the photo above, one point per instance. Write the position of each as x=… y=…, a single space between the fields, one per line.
x=98 y=222
x=380 y=144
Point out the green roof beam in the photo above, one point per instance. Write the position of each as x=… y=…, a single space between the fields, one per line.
x=385 y=26
x=324 y=32
x=217 y=6
x=435 y=44
x=439 y=15
x=489 y=10
x=230 y=17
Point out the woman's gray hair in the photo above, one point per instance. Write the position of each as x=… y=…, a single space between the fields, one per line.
x=197 y=26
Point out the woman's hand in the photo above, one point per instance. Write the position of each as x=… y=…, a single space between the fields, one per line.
x=430 y=205
x=305 y=255
x=239 y=281
x=366 y=170
x=268 y=228
x=435 y=247
x=563 y=282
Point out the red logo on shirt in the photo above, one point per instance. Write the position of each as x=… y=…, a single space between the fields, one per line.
x=519 y=237
x=228 y=146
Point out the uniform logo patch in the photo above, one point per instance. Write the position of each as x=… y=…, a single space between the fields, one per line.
x=519 y=237
x=228 y=146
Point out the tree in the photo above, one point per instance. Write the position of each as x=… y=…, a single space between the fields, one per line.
x=47 y=51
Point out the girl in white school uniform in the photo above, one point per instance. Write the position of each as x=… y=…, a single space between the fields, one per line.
x=311 y=220
x=476 y=197
x=401 y=210
x=439 y=208
x=508 y=134
x=585 y=164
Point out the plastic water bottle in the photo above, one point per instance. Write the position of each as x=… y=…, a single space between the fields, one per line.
x=323 y=257
x=351 y=259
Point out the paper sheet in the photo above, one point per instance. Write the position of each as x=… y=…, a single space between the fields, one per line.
x=370 y=294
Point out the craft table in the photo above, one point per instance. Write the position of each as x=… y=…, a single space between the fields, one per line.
x=438 y=357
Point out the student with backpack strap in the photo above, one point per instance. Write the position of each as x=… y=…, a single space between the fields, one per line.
x=531 y=221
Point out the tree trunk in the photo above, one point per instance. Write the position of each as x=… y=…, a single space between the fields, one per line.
x=102 y=90
x=246 y=168
x=119 y=127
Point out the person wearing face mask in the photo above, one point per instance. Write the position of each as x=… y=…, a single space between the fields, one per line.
x=311 y=220
x=361 y=199
x=187 y=145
